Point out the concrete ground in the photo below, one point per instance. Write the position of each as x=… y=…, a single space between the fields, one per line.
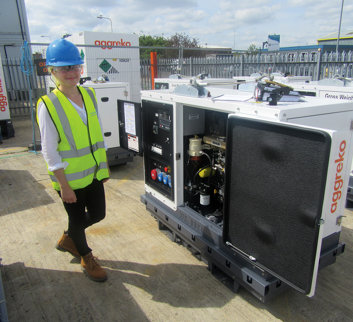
x=150 y=277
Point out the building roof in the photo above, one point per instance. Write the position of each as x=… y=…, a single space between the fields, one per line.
x=206 y=46
x=322 y=47
x=333 y=36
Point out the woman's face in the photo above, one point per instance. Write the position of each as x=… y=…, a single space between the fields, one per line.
x=67 y=75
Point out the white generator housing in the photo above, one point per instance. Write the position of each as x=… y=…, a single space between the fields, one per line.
x=6 y=127
x=335 y=89
x=4 y=102
x=111 y=97
x=171 y=83
x=257 y=189
x=119 y=64
x=326 y=90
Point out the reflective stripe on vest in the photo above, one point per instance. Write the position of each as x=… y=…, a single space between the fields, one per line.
x=81 y=152
x=91 y=95
x=79 y=175
x=63 y=119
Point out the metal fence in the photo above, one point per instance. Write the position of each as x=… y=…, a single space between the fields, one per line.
x=310 y=63
x=18 y=90
x=314 y=64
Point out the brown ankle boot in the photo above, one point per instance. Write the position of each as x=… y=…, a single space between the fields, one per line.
x=92 y=269
x=66 y=244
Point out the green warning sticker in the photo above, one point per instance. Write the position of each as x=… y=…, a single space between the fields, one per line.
x=105 y=65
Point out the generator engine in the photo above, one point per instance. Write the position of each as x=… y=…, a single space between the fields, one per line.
x=204 y=176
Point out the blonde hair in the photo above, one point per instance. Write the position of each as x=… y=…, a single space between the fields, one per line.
x=52 y=77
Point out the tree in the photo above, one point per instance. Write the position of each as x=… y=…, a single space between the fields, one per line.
x=185 y=41
x=152 y=41
x=178 y=40
x=252 y=49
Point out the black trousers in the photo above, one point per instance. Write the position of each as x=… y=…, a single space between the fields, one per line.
x=88 y=210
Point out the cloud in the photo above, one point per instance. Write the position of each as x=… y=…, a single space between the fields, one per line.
x=227 y=5
x=245 y=16
x=216 y=22
x=255 y=15
x=164 y=20
x=153 y=5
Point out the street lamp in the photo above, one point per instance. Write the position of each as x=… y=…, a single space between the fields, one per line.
x=111 y=24
x=339 y=31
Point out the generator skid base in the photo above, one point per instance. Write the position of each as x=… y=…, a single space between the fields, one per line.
x=204 y=239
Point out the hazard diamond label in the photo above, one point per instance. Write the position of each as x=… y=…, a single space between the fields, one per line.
x=113 y=71
x=105 y=65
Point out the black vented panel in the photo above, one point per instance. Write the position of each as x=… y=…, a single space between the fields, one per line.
x=275 y=180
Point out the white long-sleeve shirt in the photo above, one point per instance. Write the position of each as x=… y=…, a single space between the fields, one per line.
x=50 y=137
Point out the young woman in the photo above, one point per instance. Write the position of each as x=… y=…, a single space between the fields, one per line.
x=73 y=148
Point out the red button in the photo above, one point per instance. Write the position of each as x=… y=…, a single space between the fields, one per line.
x=154 y=174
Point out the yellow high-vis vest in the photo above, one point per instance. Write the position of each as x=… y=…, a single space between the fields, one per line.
x=80 y=145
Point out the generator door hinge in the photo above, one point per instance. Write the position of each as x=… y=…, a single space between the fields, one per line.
x=252 y=258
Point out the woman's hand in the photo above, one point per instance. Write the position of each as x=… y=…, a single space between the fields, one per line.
x=66 y=192
x=68 y=195
x=106 y=179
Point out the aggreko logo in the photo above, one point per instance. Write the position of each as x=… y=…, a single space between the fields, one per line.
x=3 y=98
x=110 y=44
x=337 y=193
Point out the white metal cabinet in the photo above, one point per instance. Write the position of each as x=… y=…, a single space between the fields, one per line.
x=316 y=125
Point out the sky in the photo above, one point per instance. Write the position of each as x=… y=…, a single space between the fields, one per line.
x=224 y=23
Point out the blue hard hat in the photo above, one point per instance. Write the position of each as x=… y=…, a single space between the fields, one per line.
x=62 y=52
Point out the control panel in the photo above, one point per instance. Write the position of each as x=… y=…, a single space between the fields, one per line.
x=158 y=146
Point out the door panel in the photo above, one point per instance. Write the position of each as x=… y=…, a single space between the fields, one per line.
x=275 y=182
x=130 y=131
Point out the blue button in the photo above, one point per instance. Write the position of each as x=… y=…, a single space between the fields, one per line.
x=160 y=177
x=165 y=178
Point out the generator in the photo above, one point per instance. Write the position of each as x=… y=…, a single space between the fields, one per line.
x=330 y=88
x=176 y=80
x=120 y=119
x=254 y=188
x=6 y=127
